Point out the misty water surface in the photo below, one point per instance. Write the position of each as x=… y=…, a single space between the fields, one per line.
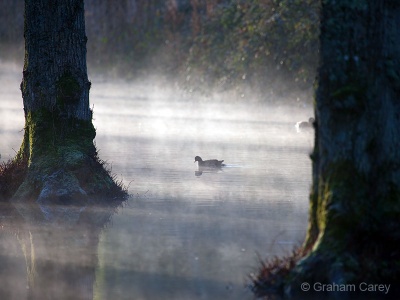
x=182 y=234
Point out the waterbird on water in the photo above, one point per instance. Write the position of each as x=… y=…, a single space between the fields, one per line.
x=211 y=163
x=305 y=125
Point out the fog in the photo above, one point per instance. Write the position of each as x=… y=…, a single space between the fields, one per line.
x=183 y=234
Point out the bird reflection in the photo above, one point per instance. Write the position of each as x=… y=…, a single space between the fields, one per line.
x=202 y=170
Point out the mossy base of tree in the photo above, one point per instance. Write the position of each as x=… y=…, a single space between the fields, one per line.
x=285 y=277
x=366 y=249
x=353 y=237
x=57 y=172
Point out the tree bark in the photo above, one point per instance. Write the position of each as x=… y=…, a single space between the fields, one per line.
x=354 y=230
x=62 y=166
x=55 y=73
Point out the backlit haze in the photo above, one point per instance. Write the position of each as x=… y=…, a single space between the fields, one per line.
x=181 y=235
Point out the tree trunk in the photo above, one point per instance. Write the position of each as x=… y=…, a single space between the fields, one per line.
x=61 y=159
x=354 y=230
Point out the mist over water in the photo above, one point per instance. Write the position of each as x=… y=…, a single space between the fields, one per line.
x=11 y=110
x=183 y=234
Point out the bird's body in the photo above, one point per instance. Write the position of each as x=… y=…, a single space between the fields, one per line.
x=305 y=125
x=211 y=163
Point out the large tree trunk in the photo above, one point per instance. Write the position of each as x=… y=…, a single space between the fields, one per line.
x=354 y=231
x=61 y=159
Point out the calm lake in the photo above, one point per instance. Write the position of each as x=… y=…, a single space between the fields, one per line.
x=183 y=234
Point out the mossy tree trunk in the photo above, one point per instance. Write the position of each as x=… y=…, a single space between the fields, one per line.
x=354 y=228
x=61 y=159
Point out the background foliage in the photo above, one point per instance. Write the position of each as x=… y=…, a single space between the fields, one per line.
x=205 y=43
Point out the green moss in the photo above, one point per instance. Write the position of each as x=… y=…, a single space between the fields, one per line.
x=49 y=135
x=337 y=207
x=313 y=228
x=346 y=211
x=55 y=145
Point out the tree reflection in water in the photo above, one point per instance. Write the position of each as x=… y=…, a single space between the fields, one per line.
x=54 y=259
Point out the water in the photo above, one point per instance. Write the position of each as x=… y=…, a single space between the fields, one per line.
x=182 y=234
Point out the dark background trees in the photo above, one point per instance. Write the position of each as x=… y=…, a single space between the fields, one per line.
x=207 y=43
